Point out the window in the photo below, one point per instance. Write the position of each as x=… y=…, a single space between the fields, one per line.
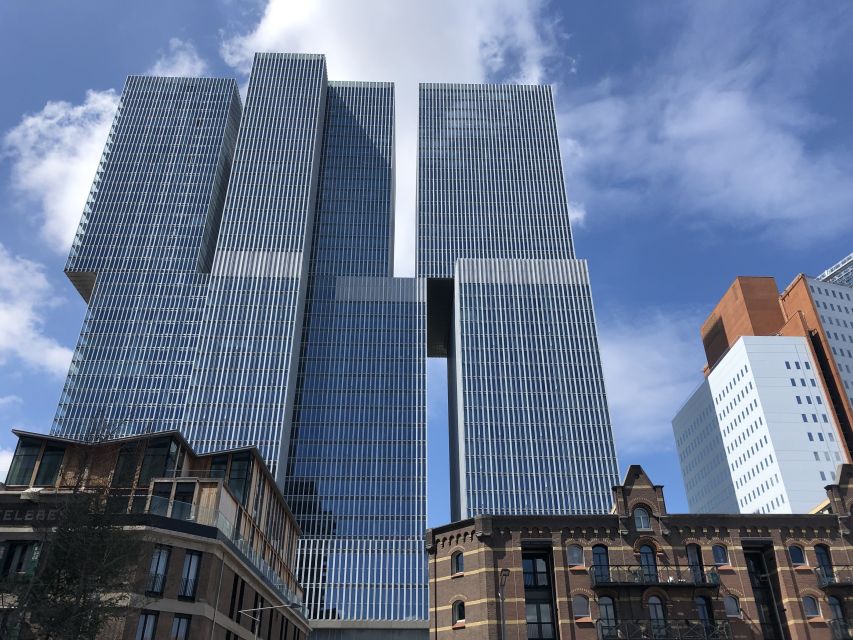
x=811 y=607
x=535 y=572
x=238 y=478
x=657 y=617
x=580 y=606
x=798 y=557
x=721 y=555
x=160 y=460
x=23 y=462
x=600 y=563
x=540 y=623
x=836 y=609
x=574 y=555
x=180 y=628
x=824 y=563
x=704 y=610
x=19 y=557
x=641 y=518
x=694 y=562
x=157 y=571
x=648 y=564
x=607 y=620
x=125 y=466
x=458 y=612
x=51 y=461
x=147 y=625
x=732 y=606
x=457 y=562
x=189 y=574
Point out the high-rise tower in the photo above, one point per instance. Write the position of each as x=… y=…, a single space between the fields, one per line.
x=509 y=306
x=238 y=268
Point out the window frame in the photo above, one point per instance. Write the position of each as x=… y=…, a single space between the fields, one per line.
x=638 y=523
x=799 y=548
x=815 y=613
x=458 y=613
x=584 y=611
x=725 y=559
x=457 y=563
x=143 y=632
x=579 y=549
x=737 y=612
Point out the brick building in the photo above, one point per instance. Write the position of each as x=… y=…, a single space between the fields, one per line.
x=641 y=572
x=219 y=539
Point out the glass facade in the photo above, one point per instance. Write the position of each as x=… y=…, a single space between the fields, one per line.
x=356 y=473
x=530 y=428
x=237 y=263
x=138 y=257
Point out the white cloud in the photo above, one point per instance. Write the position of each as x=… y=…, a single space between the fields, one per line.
x=5 y=401
x=181 y=60
x=54 y=155
x=719 y=129
x=652 y=363
x=25 y=294
x=5 y=462
x=54 y=152
x=407 y=43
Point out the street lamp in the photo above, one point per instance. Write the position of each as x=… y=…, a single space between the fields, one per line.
x=290 y=605
x=501 y=595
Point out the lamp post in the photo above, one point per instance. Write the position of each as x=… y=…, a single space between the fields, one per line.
x=501 y=595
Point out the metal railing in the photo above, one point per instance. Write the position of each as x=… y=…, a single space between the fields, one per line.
x=841 y=629
x=156 y=582
x=841 y=575
x=635 y=574
x=188 y=587
x=663 y=630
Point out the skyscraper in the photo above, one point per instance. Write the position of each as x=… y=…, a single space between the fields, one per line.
x=509 y=306
x=238 y=268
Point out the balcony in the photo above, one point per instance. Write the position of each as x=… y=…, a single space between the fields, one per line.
x=643 y=576
x=841 y=629
x=840 y=576
x=663 y=630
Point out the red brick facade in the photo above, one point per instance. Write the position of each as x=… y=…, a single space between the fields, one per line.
x=655 y=590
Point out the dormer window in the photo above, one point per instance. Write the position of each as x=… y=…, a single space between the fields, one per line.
x=642 y=520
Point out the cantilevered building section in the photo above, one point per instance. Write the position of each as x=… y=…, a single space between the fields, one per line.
x=509 y=306
x=141 y=254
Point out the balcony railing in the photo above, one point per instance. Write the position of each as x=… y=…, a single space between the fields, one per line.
x=634 y=574
x=841 y=629
x=156 y=582
x=188 y=586
x=838 y=576
x=664 y=630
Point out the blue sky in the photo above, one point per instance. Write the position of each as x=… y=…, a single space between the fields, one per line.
x=701 y=141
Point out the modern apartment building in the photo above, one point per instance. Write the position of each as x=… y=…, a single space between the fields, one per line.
x=641 y=572
x=237 y=263
x=839 y=273
x=509 y=305
x=772 y=419
x=218 y=541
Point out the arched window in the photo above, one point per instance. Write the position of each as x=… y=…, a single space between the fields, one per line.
x=721 y=555
x=811 y=607
x=600 y=563
x=732 y=606
x=458 y=612
x=607 y=621
x=824 y=564
x=657 y=617
x=798 y=556
x=580 y=606
x=457 y=563
x=694 y=562
x=704 y=611
x=641 y=519
x=648 y=564
x=836 y=609
x=574 y=555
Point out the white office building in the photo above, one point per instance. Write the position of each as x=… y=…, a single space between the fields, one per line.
x=834 y=305
x=757 y=435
